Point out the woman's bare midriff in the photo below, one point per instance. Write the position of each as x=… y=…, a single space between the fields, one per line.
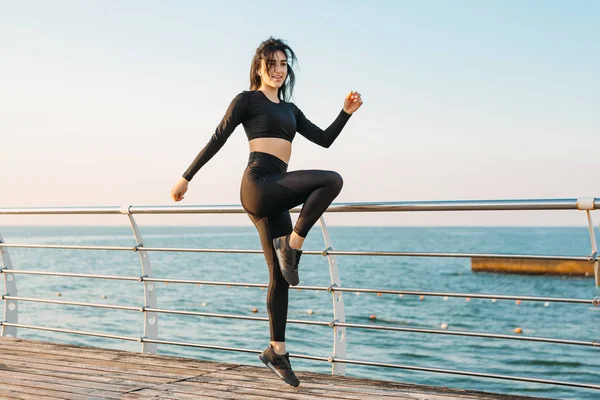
x=279 y=148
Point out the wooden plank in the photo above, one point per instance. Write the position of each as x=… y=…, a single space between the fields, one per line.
x=6 y=394
x=159 y=394
x=39 y=393
x=204 y=393
x=280 y=389
x=109 y=354
x=12 y=395
x=321 y=390
x=34 y=381
x=126 y=364
x=82 y=373
x=42 y=376
x=311 y=378
x=102 y=368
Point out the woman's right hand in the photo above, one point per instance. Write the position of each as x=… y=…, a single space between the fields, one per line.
x=179 y=189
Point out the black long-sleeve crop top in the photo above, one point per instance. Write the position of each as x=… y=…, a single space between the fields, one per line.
x=263 y=118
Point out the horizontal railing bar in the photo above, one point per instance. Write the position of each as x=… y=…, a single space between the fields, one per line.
x=45 y=328
x=193 y=250
x=383 y=253
x=382 y=327
x=60 y=210
x=232 y=316
x=590 y=259
x=212 y=347
x=472 y=334
x=465 y=295
x=69 y=247
x=316 y=288
x=441 y=205
x=468 y=373
x=69 y=274
x=71 y=303
x=382 y=291
x=212 y=283
x=233 y=284
x=460 y=255
x=322 y=323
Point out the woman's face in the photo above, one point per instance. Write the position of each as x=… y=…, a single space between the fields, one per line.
x=274 y=71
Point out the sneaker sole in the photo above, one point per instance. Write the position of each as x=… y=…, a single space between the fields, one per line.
x=272 y=368
x=292 y=280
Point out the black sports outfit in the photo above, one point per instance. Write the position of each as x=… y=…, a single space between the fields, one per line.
x=268 y=191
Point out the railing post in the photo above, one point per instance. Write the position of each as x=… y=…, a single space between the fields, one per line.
x=339 y=332
x=150 y=318
x=11 y=307
x=594 y=256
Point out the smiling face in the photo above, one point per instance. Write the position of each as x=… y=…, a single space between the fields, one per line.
x=274 y=71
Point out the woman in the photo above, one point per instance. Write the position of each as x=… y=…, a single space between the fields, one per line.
x=268 y=191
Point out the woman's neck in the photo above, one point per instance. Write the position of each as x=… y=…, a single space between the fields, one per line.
x=270 y=92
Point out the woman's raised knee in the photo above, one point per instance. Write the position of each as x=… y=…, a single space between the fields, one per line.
x=336 y=181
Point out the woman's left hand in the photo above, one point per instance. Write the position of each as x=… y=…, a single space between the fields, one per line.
x=352 y=102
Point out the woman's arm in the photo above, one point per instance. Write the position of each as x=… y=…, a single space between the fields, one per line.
x=234 y=115
x=325 y=138
x=317 y=135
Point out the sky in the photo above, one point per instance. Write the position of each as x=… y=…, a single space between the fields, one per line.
x=106 y=103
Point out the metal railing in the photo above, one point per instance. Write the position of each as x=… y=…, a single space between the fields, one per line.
x=150 y=311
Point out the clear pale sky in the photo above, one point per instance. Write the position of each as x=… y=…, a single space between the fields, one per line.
x=107 y=102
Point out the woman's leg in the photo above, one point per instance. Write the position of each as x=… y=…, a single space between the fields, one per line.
x=316 y=189
x=275 y=355
x=277 y=293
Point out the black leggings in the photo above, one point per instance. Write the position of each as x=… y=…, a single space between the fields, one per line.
x=267 y=194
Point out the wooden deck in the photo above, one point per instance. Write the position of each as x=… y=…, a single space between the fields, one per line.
x=41 y=370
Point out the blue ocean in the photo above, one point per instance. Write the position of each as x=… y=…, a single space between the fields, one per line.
x=562 y=362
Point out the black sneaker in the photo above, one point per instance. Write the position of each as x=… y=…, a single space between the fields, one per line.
x=288 y=259
x=280 y=364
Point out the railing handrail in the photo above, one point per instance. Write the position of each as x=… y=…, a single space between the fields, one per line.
x=587 y=203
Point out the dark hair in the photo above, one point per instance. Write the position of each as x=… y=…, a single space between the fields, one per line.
x=266 y=51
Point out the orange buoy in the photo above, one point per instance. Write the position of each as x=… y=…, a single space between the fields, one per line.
x=518 y=330
x=468 y=299
x=254 y=309
x=373 y=316
x=421 y=297
x=518 y=302
x=166 y=283
x=378 y=294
